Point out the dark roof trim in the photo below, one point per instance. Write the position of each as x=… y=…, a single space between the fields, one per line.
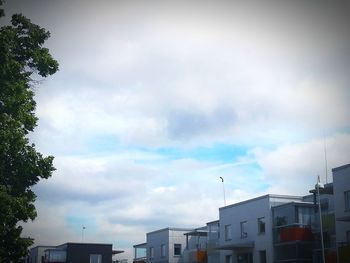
x=142 y=245
x=341 y=167
x=171 y=229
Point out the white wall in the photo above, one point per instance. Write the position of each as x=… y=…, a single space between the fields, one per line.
x=169 y=237
x=250 y=211
x=341 y=183
x=156 y=239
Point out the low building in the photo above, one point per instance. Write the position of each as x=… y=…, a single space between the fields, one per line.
x=140 y=253
x=37 y=254
x=166 y=245
x=73 y=253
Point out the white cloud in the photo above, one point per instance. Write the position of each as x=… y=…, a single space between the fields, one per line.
x=138 y=77
x=293 y=168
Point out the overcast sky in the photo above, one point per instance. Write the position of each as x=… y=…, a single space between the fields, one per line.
x=154 y=101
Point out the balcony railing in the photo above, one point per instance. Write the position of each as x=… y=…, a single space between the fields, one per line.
x=344 y=252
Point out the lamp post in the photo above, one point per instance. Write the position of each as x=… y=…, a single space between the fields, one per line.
x=318 y=186
x=223 y=188
x=82 y=233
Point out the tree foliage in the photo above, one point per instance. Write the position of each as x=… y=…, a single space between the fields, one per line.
x=22 y=56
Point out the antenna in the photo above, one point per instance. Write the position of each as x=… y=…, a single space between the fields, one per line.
x=325 y=157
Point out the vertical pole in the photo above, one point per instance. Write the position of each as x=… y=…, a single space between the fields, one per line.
x=325 y=158
x=82 y=233
x=223 y=188
x=319 y=212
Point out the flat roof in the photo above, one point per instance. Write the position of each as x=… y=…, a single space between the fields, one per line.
x=140 y=245
x=115 y=251
x=262 y=197
x=39 y=246
x=212 y=222
x=341 y=167
x=170 y=229
x=86 y=243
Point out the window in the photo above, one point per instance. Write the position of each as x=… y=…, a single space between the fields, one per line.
x=228 y=259
x=151 y=252
x=261 y=225
x=348 y=236
x=262 y=255
x=95 y=258
x=244 y=233
x=228 y=232
x=162 y=250
x=177 y=249
x=347 y=200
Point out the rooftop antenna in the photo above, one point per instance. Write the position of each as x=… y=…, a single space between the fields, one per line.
x=325 y=157
x=223 y=188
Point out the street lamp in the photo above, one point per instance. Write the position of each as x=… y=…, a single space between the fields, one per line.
x=223 y=188
x=317 y=187
x=82 y=233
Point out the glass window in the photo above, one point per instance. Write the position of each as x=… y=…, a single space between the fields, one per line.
x=347 y=200
x=261 y=225
x=214 y=231
x=151 y=252
x=162 y=250
x=305 y=215
x=244 y=233
x=284 y=215
x=95 y=258
x=262 y=255
x=228 y=232
x=177 y=249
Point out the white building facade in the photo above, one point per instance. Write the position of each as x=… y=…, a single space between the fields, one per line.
x=341 y=188
x=246 y=229
x=166 y=245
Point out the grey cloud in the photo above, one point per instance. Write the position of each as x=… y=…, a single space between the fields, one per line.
x=59 y=195
x=184 y=125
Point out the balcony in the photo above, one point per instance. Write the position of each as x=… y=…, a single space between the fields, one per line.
x=195 y=256
x=344 y=252
x=294 y=232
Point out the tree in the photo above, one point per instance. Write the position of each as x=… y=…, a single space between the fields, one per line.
x=22 y=58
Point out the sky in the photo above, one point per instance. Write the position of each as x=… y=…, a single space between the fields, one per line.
x=155 y=100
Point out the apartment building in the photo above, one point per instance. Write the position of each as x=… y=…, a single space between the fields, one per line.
x=341 y=188
x=166 y=245
x=269 y=228
x=246 y=229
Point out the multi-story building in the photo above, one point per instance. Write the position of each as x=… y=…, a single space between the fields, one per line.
x=341 y=188
x=213 y=241
x=292 y=230
x=166 y=245
x=246 y=229
x=178 y=245
x=269 y=228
